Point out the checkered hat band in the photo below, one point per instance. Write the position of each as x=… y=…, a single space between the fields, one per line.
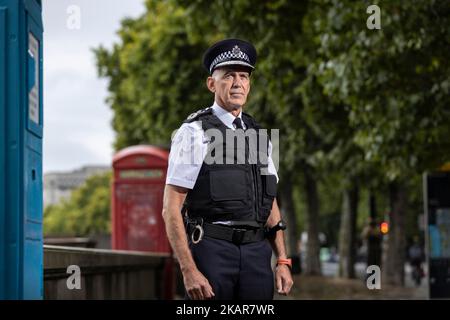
x=228 y=55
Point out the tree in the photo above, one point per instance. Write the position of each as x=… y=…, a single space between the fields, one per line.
x=85 y=213
x=154 y=73
x=396 y=83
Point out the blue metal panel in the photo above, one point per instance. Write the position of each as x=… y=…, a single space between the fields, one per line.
x=2 y=150
x=34 y=11
x=21 y=250
x=14 y=106
x=33 y=244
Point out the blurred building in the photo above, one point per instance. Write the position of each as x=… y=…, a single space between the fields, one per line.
x=59 y=185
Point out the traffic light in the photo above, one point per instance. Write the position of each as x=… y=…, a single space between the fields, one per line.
x=384 y=227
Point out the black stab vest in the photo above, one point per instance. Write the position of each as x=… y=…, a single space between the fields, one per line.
x=233 y=189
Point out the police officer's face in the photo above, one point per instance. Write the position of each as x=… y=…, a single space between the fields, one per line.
x=230 y=86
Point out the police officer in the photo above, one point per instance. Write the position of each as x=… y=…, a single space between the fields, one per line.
x=230 y=222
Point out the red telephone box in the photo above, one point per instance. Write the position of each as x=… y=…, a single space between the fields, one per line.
x=138 y=189
x=137 y=201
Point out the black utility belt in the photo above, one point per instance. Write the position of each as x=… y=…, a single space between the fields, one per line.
x=231 y=234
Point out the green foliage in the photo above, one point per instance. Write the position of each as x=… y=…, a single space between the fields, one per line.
x=87 y=211
x=155 y=75
x=394 y=80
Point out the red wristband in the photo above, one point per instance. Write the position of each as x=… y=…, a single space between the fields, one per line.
x=287 y=262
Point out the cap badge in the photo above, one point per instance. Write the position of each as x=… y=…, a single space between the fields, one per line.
x=236 y=51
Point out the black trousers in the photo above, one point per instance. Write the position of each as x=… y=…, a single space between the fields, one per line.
x=236 y=272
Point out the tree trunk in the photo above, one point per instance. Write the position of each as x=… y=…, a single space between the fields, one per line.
x=373 y=238
x=394 y=253
x=372 y=205
x=347 y=234
x=288 y=210
x=312 y=222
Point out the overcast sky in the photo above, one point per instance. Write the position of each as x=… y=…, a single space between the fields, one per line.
x=77 y=121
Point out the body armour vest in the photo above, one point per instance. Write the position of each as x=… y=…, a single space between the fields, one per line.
x=233 y=182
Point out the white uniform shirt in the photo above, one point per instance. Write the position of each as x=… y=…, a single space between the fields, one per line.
x=190 y=146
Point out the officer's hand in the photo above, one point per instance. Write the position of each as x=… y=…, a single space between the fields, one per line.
x=283 y=279
x=197 y=286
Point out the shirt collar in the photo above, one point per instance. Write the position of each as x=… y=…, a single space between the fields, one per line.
x=225 y=116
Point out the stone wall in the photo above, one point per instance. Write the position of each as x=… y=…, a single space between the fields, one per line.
x=107 y=274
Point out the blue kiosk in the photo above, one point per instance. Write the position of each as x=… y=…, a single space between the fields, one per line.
x=21 y=247
x=437 y=209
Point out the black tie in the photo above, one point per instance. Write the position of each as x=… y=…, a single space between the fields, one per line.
x=238 y=123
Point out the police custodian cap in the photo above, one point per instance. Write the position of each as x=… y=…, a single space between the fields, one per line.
x=230 y=52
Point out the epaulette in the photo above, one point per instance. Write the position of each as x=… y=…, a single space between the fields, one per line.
x=194 y=116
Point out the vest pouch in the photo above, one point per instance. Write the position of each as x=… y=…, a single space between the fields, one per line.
x=269 y=183
x=229 y=185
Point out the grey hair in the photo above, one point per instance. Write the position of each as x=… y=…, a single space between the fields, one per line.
x=218 y=73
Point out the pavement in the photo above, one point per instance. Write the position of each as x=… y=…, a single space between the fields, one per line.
x=329 y=286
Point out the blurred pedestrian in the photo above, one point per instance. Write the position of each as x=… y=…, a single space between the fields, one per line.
x=372 y=238
x=416 y=256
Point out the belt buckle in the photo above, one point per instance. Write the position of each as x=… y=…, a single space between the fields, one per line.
x=238 y=236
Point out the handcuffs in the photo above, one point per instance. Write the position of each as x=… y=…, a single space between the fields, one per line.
x=197 y=234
